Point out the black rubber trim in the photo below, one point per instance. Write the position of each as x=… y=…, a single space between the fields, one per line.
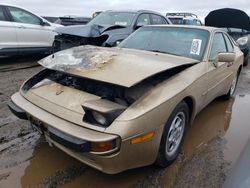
x=20 y=113
x=78 y=147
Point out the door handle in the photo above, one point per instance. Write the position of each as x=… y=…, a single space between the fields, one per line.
x=229 y=64
x=21 y=27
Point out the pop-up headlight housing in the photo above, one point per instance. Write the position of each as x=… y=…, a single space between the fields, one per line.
x=101 y=112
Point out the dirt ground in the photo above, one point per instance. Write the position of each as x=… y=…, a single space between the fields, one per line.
x=212 y=145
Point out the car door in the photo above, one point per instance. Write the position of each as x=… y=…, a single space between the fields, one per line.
x=8 y=35
x=219 y=75
x=31 y=31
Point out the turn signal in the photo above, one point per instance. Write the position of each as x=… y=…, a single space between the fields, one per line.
x=142 y=138
x=102 y=146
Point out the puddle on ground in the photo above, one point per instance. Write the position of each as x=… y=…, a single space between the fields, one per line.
x=239 y=130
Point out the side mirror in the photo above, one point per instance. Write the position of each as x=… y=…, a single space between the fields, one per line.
x=226 y=57
x=44 y=23
x=138 y=25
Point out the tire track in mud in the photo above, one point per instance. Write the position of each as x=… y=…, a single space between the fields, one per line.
x=62 y=177
x=17 y=137
x=205 y=168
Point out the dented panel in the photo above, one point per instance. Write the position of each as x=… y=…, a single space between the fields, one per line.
x=124 y=67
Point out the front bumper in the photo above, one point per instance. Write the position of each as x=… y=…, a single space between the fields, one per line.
x=128 y=156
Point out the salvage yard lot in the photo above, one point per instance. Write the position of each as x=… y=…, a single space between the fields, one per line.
x=212 y=145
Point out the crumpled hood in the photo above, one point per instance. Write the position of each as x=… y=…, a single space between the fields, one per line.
x=86 y=30
x=229 y=18
x=124 y=67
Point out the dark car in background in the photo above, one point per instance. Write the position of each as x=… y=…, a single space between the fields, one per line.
x=72 y=20
x=236 y=23
x=184 y=18
x=107 y=29
x=68 y=20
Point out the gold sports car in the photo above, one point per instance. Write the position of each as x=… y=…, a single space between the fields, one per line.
x=129 y=106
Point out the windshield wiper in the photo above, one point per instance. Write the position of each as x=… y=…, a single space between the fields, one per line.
x=159 y=51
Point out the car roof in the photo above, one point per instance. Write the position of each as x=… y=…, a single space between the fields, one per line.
x=11 y=5
x=7 y=4
x=181 y=14
x=135 y=11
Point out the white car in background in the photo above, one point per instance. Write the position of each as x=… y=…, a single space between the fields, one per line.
x=23 y=32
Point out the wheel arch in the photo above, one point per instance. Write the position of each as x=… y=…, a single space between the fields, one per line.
x=240 y=69
x=191 y=106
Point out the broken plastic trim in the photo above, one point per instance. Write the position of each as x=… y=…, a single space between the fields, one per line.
x=110 y=116
x=36 y=79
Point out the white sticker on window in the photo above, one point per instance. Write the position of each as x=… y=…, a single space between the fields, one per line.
x=196 y=47
x=121 y=23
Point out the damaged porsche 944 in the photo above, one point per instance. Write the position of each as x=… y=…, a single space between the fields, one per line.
x=129 y=106
x=108 y=29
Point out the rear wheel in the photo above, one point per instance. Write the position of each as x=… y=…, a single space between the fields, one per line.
x=246 y=62
x=173 y=135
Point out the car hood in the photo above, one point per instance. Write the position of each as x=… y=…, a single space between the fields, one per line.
x=86 y=30
x=124 y=67
x=228 y=18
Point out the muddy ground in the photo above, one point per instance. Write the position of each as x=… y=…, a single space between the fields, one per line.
x=212 y=145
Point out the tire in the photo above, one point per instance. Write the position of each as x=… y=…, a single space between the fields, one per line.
x=170 y=145
x=246 y=62
x=232 y=89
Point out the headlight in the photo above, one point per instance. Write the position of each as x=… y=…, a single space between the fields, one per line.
x=99 y=118
x=117 y=42
x=242 y=41
x=101 y=112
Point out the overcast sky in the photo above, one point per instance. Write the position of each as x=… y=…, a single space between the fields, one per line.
x=87 y=7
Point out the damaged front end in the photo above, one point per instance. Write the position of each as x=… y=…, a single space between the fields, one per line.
x=99 y=103
x=73 y=36
x=65 y=41
x=82 y=92
x=89 y=86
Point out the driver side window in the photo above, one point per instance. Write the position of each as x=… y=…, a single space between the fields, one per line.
x=143 y=19
x=22 y=16
x=2 y=16
x=218 y=45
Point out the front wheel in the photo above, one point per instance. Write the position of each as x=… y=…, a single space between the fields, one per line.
x=232 y=89
x=173 y=135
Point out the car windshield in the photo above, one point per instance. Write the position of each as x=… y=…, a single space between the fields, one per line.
x=114 y=18
x=186 y=42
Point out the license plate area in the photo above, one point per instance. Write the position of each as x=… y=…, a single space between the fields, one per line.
x=37 y=124
x=69 y=141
